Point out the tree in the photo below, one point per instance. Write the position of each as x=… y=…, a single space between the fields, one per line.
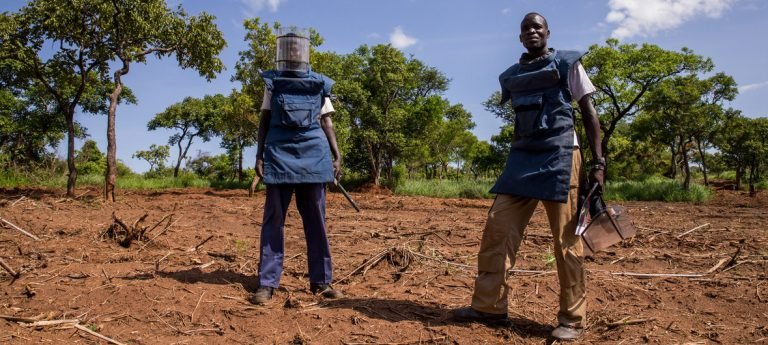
x=758 y=151
x=193 y=118
x=90 y=160
x=211 y=167
x=625 y=73
x=389 y=91
x=238 y=126
x=684 y=112
x=155 y=156
x=75 y=67
x=131 y=30
x=744 y=145
x=714 y=92
x=27 y=127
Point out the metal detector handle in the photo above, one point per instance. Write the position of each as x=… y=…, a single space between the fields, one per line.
x=346 y=195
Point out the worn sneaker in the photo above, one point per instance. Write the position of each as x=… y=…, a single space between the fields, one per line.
x=262 y=295
x=326 y=291
x=468 y=314
x=565 y=332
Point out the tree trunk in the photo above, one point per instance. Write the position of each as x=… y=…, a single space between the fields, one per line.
x=673 y=163
x=375 y=166
x=752 y=170
x=240 y=164
x=110 y=174
x=72 y=176
x=703 y=162
x=739 y=173
x=182 y=154
x=686 y=165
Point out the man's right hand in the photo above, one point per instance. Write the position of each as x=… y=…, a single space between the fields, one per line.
x=260 y=168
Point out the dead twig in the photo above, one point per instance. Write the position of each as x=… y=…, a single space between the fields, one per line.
x=161 y=232
x=419 y=341
x=717 y=266
x=692 y=230
x=625 y=322
x=10 y=270
x=13 y=226
x=367 y=264
x=157 y=264
x=21 y=318
x=203 y=266
x=159 y=222
x=192 y=317
x=123 y=233
x=50 y=322
x=98 y=335
x=18 y=200
x=735 y=256
x=658 y=275
x=195 y=248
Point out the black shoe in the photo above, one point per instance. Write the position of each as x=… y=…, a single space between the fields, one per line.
x=565 y=332
x=326 y=291
x=468 y=314
x=262 y=295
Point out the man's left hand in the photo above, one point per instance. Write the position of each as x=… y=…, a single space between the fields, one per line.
x=337 y=169
x=597 y=176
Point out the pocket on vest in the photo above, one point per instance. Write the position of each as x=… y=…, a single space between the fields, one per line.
x=529 y=114
x=297 y=111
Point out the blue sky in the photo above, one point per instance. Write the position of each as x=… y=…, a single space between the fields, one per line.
x=470 y=41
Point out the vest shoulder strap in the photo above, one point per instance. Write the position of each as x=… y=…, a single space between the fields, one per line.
x=566 y=59
x=505 y=94
x=268 y=78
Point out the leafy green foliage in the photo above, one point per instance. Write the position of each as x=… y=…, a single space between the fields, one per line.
x=216 y=168
x=624 y=74
x=155 y=156
x=192 y=118
x=90 y=160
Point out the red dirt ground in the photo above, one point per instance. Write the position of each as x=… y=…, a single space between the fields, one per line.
x=428 y=253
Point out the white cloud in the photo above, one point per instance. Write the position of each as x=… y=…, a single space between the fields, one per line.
x=505 y=10
x=750 y=87
x=255 y=6
x=647 y=17
x=400 y=40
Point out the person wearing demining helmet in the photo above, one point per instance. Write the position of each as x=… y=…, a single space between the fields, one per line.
x=543 y=165
x=296 y=141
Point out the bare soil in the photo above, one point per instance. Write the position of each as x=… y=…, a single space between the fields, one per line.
x=403 y=263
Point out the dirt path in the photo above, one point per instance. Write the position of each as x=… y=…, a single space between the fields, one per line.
x=427 y=250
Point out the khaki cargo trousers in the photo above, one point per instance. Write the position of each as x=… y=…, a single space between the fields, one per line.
x=503 y=233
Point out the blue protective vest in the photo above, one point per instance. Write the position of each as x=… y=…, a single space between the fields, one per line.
x=539 y=162
x=296 y=149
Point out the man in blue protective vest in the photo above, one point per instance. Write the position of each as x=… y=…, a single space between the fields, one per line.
x=296 y=141
x=543 y=165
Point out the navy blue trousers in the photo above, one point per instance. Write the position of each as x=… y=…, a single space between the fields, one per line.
x=310 y=200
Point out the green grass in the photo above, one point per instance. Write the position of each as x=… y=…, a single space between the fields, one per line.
x=469 y=189
x=14 y=180
x=649 y=189
x=656 y=189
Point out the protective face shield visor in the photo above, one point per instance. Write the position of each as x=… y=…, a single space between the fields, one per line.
x=292 y=50
x=601 y=226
